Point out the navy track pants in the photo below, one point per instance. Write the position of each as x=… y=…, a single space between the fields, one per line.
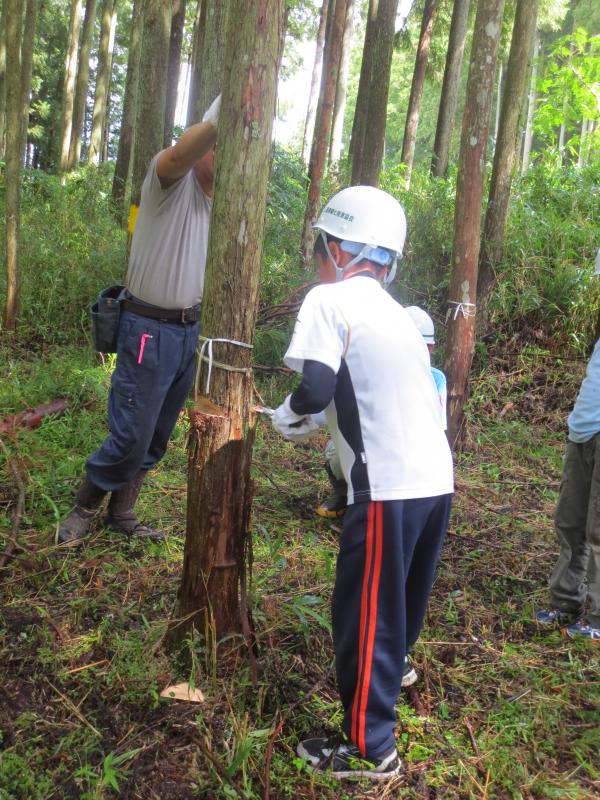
x=152 y=379
x=385 y=568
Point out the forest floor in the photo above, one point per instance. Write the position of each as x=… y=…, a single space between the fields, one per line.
x=503 y=709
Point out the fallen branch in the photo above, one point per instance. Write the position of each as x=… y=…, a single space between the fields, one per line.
x=32 y=417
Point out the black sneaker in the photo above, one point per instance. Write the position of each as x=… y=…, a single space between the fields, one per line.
x=410 y=675
x=345 y=761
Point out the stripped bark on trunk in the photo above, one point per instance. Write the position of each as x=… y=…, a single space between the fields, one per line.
x=212 y=590
x=31 y=8
x=467 y=219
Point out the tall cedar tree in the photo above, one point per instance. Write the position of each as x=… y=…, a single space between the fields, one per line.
x=531 y=103
x=69 y=84
x=449 y=96
x=177 y=25
x=208 y=64
x=316 y=168
x=364 y=84
x=31 y=7
x=505 y=155
x=81 y=86
x=309 y=124
x=341 y=89
x=416 y=89
x=150 y=119
x=371 y=111
x=220 y=490
x=467 y=218
x=128 y=117
x=2 y=80
x=14 y=15
x=107 y=40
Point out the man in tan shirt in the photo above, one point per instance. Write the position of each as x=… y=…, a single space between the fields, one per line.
x=158 y=331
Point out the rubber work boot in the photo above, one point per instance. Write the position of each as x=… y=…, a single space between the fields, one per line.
x=336 y=505
x=76 y=525
x=121 y=516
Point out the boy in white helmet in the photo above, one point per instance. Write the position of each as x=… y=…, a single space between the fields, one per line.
x=363 y=361
x=335 y=505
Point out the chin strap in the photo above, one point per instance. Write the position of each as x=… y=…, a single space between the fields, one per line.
x=340 y=272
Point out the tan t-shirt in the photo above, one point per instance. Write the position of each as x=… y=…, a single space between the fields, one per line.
x=168 y=250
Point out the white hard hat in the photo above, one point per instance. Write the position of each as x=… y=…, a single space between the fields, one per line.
x=423 y=322
x=366 y=215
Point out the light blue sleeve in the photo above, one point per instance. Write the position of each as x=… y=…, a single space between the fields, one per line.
x=442 y=389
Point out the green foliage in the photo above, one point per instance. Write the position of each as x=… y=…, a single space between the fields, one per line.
x=569 y=87
x=71 y=248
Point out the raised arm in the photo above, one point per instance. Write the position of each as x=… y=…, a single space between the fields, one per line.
x=194 y=142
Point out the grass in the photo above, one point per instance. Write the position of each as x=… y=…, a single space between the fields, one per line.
x=503 y=710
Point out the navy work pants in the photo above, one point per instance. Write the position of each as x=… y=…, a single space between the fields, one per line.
x=385 y=568
x=153 y=376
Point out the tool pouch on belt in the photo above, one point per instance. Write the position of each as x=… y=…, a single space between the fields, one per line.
x=104 y=315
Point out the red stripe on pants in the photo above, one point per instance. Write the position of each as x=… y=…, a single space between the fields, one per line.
x=373 y=548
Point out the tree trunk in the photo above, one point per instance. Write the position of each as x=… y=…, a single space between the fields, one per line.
x=361 y=110
x=498 y=100
x=505 y=155
x=14 y=15
x=416 y=89
x=81 y=87
x=530 y=107
x=69 y=85
x=26 y=70
x=449 y=97
x=208 y=66
x=563 y=127
x=318 y=155
x=107 y=39
x=2 y=80
x=583 y=139
x=341 y=89
x=374 y=145
x=467 y=218
x=177 y=25
x=212 y=591
x=309 y=125
x=126 y=134
x=154 y=60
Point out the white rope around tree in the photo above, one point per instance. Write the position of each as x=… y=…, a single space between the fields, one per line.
x=466 y=309
x=206 y=355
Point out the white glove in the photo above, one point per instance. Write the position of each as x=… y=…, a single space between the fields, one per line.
x=319 y=419
x=212 y=113
x=292 y=426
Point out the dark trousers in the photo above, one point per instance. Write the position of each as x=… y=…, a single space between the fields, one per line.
x=153 y=377
x=577 y=519
x=385 y=568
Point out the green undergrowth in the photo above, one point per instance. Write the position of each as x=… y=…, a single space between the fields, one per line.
x=503 y=709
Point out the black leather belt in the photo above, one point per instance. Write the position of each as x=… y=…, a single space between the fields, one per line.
x=186 y=316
